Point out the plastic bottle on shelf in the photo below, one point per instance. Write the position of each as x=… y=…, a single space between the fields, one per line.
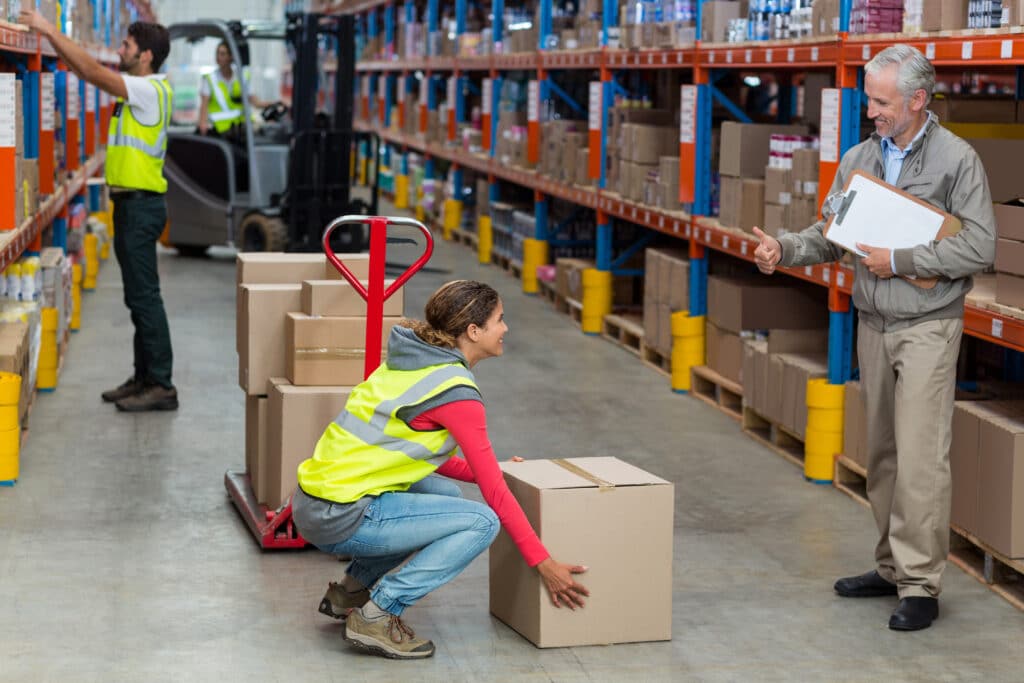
x=13 y=277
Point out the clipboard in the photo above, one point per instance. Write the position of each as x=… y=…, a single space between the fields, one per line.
x=867 y=211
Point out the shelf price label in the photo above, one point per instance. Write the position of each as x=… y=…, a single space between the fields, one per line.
x=865 y=53
x=791 y=54
x=1006 y=49
x=688 y=115
x=74 y=101
x=728 y=56
x=424 y=90
x=830 y=100
x=90 y=98
x=488 y=91
x=594 y=106
x=47 y=100
x=997 y=328
x=768 y=55
x=967 y=50
x=533 y=101
x=929 y=50
x=749 y=56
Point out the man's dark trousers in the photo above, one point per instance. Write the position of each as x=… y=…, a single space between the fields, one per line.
x=138 y=224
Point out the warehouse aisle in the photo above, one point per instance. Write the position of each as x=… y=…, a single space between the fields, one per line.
x=121 y=558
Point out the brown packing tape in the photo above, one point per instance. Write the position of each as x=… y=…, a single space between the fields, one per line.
x=601 y=484
x=330 y=354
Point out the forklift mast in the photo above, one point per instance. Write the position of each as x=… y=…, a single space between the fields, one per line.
x=319 y=174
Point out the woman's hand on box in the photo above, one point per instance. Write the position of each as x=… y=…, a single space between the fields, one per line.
x=562 y=587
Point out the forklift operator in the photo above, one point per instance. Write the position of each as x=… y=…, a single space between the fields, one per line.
x=220 y=94
x=370 y=491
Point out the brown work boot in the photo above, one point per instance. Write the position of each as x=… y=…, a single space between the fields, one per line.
x=152 y=397
x=386 y=635
x=338 y=602
x=132 y=386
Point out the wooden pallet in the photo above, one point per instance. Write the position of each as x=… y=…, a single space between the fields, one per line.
x=499 y=260
x=626 y=330
x=720 y=392
x=773 y=436
x=1000 y=574
x=852 y=479
x=464 y=237
x=659 y=363
x=515 y=269
x=575 y=310
x=546 y=291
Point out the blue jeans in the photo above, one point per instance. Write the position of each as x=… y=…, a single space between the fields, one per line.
x=433 y=518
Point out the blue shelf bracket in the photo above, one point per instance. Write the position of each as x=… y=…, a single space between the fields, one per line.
x=730 y=106
x=631 y=251
x=540 y=215
x=564 y=96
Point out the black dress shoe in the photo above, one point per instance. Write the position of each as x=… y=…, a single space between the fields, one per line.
x=914 y=614
x=869 y=585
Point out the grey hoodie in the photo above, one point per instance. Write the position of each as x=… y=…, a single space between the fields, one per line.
x=946 y=172
x=325 y=523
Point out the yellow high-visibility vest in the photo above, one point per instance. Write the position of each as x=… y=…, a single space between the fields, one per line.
x=225 y=107
x=135 y=152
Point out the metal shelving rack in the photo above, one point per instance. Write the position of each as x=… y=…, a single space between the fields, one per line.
x=845 y=54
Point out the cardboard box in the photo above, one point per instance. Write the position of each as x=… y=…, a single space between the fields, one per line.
x=744 y=148
x=261 y=333
x=1009 y=221
x=14 y=358
x=328 y=351
x=854 y=425
x=565 y=504
x=273 y=268
x=730 y=190
x=724 y=352
x=943 y=15
x=569 y=277
x=737 y=304
x=715 y=18
x=339 y=298
x=778 y=185
x=776 y=219
x=964 y=463
x=1010 y=256
x=999 y=157
x=296 y=419
x=652 y=324
x=751 y=204
x=1010 y=290
x=776 y=408
x=1001 y=483
x=645 y=144
x=803 y=213
x=256 y=442
x=755 y=374
x=812 y=341
x=800 y=368
x=974 y=109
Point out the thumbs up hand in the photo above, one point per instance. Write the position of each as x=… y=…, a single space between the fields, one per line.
x=768 y=252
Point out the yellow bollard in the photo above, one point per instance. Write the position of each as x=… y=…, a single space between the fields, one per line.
x=363 y=166
x=10 y=445
x=535 y=253
x=10 y=437
x=401 y=192
x=484 y=239
x=421 y=215
x=452 y=217
x=597 y=299
x=76 y=306
x=689 y=348
x=824 y=439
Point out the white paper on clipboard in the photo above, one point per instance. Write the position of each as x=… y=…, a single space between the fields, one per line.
x=872 y=214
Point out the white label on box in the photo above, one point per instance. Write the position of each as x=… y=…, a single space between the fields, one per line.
x=865 y=53
x=785 y=198
x=74 y=101
x=451 y=92
x=594 y=106
x=749 y=56
x=830 y=98
x=768 y=55
x=997 y=328
x=8 y=111
x=1006 y=49
x=90 y=98
x=424 y=90
x=688 y=115
x=929 y=50
x=47 y=119
x=967 y=50
x=488 y=93
x=533 y=101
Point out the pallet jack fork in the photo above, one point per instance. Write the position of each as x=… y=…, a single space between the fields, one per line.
x=274 y=529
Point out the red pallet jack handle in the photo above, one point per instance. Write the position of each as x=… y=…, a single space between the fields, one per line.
x=274 y=528
x=375 y=295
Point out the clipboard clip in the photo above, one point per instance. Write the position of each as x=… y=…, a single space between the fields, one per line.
x=839 y=203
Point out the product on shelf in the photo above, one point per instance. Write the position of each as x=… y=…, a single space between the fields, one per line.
x=666 y=291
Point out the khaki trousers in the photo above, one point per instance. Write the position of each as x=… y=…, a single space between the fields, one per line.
x=908 y=380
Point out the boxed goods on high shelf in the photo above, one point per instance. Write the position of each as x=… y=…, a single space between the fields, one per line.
x=657 y=24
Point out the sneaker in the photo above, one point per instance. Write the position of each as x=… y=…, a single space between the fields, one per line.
x=131 y=387
x=152 y=397
x=387 y=636
x=338 y=602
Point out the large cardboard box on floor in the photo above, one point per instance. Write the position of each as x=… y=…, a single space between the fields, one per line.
x=1001 y=481
x=964 y=464
x=596 y=512
x=261 y=329
x=256 y=442
x=322 y=351
x=339 y=298
x=296 y=419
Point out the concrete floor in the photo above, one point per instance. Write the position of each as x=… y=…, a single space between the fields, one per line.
x=122 y=559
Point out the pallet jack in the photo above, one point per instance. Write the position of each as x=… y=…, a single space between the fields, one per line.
x=274 y=529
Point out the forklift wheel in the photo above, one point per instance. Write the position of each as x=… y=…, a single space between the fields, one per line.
x=262 y=233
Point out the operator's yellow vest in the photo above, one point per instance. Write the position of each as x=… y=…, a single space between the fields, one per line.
x=135 y=152
x=369 y=449
x=225 y=106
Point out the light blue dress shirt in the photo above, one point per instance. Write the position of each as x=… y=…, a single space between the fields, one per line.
x=892 y=157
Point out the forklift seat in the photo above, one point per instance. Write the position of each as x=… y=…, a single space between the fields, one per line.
x=206 y=161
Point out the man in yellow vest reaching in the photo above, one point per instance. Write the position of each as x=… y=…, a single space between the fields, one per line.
x=220 y=93
x=134 y=170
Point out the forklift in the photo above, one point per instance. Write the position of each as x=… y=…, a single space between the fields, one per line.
x=276 y=188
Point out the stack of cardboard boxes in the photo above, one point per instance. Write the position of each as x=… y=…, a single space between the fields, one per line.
x=715 y=18
x=511 y=143
x=301 y=347
x=876 y=16
x=638 y=138
x=747 y=306
x=569 y=281
x=562 y=142
x=855 y=426
x=744 y=156
x=666 y=291
x=1010 y=255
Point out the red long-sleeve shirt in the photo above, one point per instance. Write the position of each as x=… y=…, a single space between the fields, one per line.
x=466 y=421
